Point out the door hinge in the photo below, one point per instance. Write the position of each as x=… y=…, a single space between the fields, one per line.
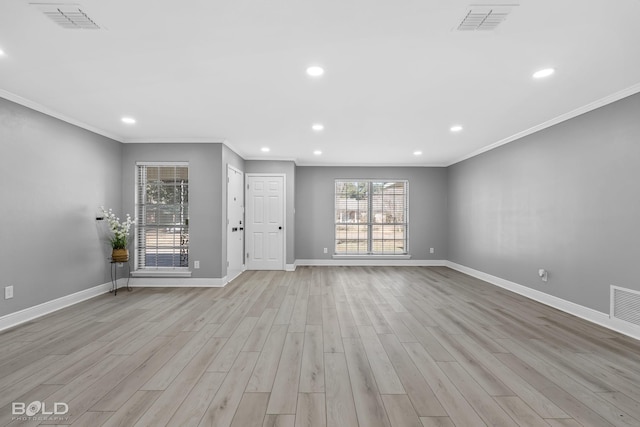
x=227 y=263
x=247 y=186
x=247 y=254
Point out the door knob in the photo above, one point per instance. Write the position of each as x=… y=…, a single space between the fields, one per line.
x=279 y=228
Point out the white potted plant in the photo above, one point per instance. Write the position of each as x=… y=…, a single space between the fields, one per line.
x=119 y=235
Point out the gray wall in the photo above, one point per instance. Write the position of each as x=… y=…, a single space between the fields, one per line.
x=287 y=168
x=315 y=192
x=207 y=206
x=54 y=178
x=566 y=199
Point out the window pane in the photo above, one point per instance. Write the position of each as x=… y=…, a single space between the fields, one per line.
x=370 y=217
x=162 y=214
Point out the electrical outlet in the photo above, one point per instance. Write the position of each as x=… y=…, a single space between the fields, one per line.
x=325 y=250
x=432 y=250
x=196 y=264
x=8 y=292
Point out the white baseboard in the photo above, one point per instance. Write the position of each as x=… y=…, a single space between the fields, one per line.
x=177 y=282
x=577 y=310
x=375 y=262
x=290 y=267
x=22 y=316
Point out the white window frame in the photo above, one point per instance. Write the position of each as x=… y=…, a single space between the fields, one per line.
x=153 y=269
x=370 y=223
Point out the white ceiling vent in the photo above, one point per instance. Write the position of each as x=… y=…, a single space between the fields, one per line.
x=67 y=15
x=484 y=17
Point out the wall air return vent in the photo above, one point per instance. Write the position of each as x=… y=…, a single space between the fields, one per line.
x=625 y=305
x=484 y=17
x=67 y=15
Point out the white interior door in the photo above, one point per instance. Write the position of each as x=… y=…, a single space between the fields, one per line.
x=265 y=222
x=235 y=222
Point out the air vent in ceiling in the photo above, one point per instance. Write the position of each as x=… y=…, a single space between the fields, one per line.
x=67 y=15
x=485 y=17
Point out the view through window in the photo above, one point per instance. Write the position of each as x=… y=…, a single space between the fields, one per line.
x=371 y=217
x=162 y=213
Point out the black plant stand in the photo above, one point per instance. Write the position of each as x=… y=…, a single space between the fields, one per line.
x=114 y=276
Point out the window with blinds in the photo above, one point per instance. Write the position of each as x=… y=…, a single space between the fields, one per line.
x=162 y=213
x=371 y=217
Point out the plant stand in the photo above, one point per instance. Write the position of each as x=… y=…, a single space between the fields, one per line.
x=114 y=276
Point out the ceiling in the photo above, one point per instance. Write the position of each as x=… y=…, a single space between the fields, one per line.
x=398 y=74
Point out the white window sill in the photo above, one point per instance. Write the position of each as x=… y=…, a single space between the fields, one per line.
x=371 y=256
x=161 y=273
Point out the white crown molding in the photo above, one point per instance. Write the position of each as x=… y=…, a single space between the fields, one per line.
x=559 y=119
x=233 y=148
x=577 y=310
x=49 y=112
x=22 y=316
x=374 y=165
x=271 y=159
x=174 y=140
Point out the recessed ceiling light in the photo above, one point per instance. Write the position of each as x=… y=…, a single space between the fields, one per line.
x=128 y=120
x=543 y=73
x=265 y=149
x=417 y=153
x=456 y=128
x=1 y=52
x=315 y=71
x=317 y=152
x=317 y=127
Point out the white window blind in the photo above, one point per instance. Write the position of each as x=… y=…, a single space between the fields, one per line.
x=371 y=217
x=162 y=213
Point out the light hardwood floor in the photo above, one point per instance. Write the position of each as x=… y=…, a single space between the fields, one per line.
x=322 y=346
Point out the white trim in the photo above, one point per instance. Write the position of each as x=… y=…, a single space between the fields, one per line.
x=387 y=257
x=163 y=140
x=371 y=262
x=22 y=316
x=559 y=119
x=370 y=165
x=230 y=278
x=583 y=312
x=266 y=158
x=179 y=163
x=177 y=282
x=290 y=267
x=49 y=112
x=161 y=273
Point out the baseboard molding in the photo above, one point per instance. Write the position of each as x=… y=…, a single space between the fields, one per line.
x=344 y=262
x=577 y=310
x=22 y=316
x=290 y=267
x=178 y=282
